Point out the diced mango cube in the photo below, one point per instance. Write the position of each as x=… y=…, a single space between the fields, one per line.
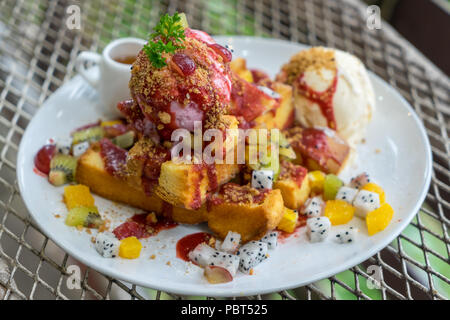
x=288 y=221
x=78 y=196
x=110 y=123
x=372 y=187
x=316 y=180
x=339 y=212
x=377 y=220
x=130 y=248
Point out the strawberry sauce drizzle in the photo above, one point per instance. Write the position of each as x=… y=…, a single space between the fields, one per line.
x=140 y=227
x=189 y=242
x=323 y=99
x=115 y=158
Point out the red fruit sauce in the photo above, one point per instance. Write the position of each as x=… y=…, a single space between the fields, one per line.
x=43 y=158
x=138 y=226
x=323 y=99
x=189 y=242
x=115 y=158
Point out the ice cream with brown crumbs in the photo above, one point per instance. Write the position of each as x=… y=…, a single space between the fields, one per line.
x=331 y=89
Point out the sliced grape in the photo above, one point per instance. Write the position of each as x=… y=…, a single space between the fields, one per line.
x=331 y=186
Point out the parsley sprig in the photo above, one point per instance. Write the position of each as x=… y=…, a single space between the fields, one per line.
x=167 y=37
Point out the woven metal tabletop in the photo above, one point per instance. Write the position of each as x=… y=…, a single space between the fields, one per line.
x=37 y=54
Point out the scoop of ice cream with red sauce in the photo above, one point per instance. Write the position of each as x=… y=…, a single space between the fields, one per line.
x=194 y=85
x=331 y=89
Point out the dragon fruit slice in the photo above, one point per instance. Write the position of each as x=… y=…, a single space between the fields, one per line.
x=204 y=255
x=359 y=181
x=107 y=245
x=63 y=145
x=225 y=260
x=80 y=148
x=262 y=179
x=347 y=194
x=270 y=238
x=366 y=201
x=346 y=236
x=231 y=242
x=318 y=228
x=313 y=207
x=251 y=254
x=218 y=244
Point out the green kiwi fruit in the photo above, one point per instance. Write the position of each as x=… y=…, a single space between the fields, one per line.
x=125 y=140
x=62 y=169
x=84 y=216
x=90 y=135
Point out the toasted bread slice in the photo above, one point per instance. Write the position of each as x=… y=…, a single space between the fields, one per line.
x=293 y=183
x=92 y=173
x=251 y=220
x=186 y=185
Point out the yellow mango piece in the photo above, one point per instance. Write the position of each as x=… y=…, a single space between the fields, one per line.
x=78 y=196
x=130 y=248
x=377 y=220
x=288 y=221
x=339 y=212
x=110 y=123
x=372 y=187
x=316 y=180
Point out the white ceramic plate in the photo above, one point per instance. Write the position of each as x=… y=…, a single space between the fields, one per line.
x=397 y=155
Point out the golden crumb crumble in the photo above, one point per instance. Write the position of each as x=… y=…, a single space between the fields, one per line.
x=314 y=59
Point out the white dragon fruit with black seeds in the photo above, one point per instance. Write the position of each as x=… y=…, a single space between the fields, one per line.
x=346 y=236
x=359 y=181
x=218 y=244
x=262 y=179
x=318 y=228
x=365 y=202
x=202 y=254
x=231 y=242
x=80 y=148
x=225 y=260
x=346 y=194
x=107 y=245
x=271 y=239
x=251 y=254
x=63 y=145
x=313 y=207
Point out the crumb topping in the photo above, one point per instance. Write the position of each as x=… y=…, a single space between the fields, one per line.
x=314 y=59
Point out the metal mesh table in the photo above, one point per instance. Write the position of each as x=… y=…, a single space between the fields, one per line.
x=37 y=54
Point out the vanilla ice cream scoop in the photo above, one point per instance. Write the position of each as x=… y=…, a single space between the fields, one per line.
x=331 y=89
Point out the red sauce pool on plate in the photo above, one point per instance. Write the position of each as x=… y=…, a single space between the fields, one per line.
x=189 y=242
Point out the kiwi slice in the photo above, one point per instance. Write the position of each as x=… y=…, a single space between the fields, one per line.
x=62 y=169
x=84 y=216
x=90 y=135
x=125 y=140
